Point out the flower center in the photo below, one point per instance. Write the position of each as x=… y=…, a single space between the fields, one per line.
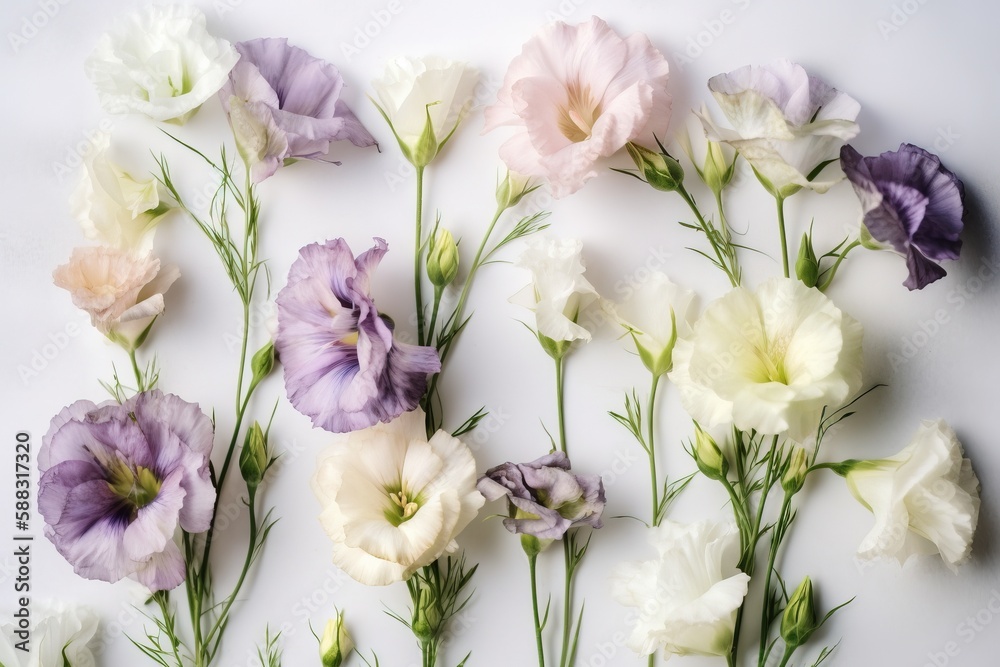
x=576 y=121
x=350 y=339
x=771 y=355
x=137 y=487
x=403 y=507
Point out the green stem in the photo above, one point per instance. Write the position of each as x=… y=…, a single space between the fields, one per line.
x=559 y=405
x=746 y=564
x=650 y=440
x=247 y=561
x=418 y=252
x=534 y=607
x=168 y=622
x=781 y=232
x=776 y=538
x=706 y=228
x=734 y=270
x=457 y=316
x=567 y=601
x=438 y=293
x=787 y=656
x=833 y=269
x=140 y=381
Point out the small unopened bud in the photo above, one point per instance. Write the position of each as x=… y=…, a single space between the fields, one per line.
x=795 y=474
x=442 y=258
x=660 y=170
x=254 y=458
x=262 y=362
x=512 y=189
x=336 y=644
x=807 y=266
x=427 y=618
x=708 y=456
x=717 y=172
x=798 y=621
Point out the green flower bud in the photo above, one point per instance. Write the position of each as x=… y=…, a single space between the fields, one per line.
x=795 y=473
x=336 y=644
x=426 y=148
x=717 y=172
x=254 y=459
x=798 y=622
x=807 y=266
x=660 y=170
x=262 y=362
x=427 y=618
x=512 y=189
x=708 y=456
x=442 y=258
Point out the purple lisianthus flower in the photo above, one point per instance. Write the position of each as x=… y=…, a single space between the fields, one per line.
x=342 y=367
x=544 y=498
x=284 y=104
x=117 y=480
x=911 y=203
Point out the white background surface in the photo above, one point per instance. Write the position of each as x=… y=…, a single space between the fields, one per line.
x=929 y=82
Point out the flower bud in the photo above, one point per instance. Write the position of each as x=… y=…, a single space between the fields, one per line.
x=660 y=170
x=253 y=458
x=717 y=172
x=708 y=456
x=336 y=644
x=426 y=147
x=426 y=621
x=512 y=189
x=798 y=621
x=262 y=362
x=442 y=258
x=557 y=349
x=807 y=266
x=795 y=473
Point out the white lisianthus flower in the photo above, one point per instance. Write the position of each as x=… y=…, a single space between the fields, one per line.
x=785 y=123
x=161 y=62
x=769 y=360
x=687 y=598
x=394 y=501
x=60 y=637
x=654 y=315
x=558 y=292
x=423 y=100
x=112 y=206
x=925 y=499
x=122 y=293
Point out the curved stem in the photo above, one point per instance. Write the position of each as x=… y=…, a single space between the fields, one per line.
x=247 y=561
x=140 y=381
x=788 y=654
x=559 y=406
x=781 y=232
x=418 y=251
x=650 y=440
x=836 y=265
x=534 y=607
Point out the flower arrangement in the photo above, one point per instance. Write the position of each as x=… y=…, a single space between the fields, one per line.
x=132 y=487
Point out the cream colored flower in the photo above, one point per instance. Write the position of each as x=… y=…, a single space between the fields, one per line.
x=112 y=206
x=654 y=315
x=769 y=360
x=925 y=499
x=558 y=292
x=59 y=638
x=394 y=501
x=160 y=61
x=687 y=598
x=121 y=292
x=415 y=91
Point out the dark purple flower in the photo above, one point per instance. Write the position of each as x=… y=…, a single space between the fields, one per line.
x=284 y=104
x=544 y=498
x=342 y=367
x=912 y=203
x=117 y=480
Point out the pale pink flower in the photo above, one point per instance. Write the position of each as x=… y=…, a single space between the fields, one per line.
x=122 y=293
x=577 y=94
